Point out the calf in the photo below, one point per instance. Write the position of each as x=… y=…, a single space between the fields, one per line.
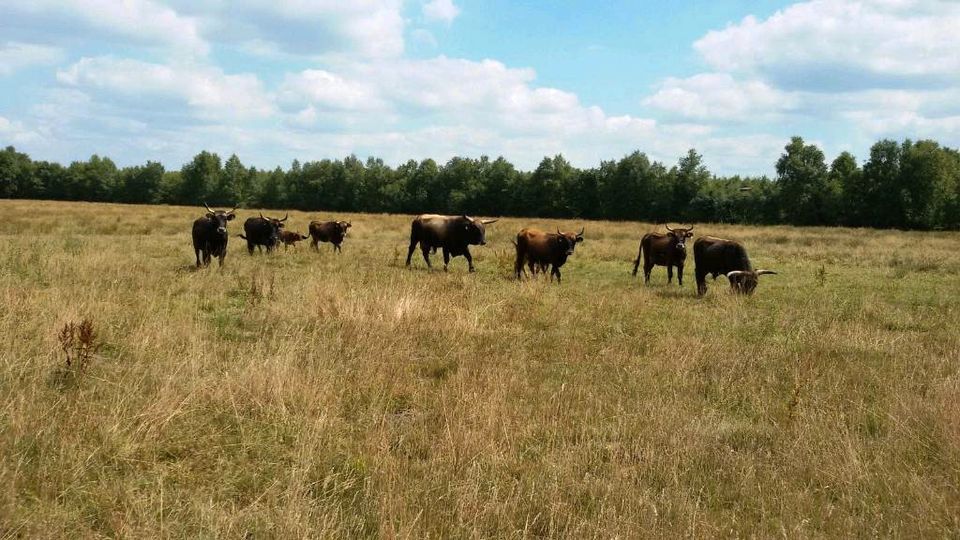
x=328 y=231
x=664 y=250
x=540 y=249
x=290 y=238
x=715 y=256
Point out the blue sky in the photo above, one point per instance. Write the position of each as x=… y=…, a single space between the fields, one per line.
x=309 y=79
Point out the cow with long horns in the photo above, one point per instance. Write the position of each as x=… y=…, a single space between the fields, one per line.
x=262 y=232
x=716 y=256
x=210 y=235
x=452 y=234
x=658 y=249
x=538 y=250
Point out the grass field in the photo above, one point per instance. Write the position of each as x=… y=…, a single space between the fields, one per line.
x=317 y=395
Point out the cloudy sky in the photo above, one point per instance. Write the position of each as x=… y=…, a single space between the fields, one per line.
x=272 y=80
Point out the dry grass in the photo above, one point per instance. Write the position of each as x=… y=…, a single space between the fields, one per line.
x=306 y=395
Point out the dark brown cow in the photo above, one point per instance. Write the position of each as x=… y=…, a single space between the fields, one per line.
x=540 y=249
x=328 y=231
x=660 y=249
x=290 y=238
x=210 y=235
x=262 y=231
x=453 y=234
x=716 y=256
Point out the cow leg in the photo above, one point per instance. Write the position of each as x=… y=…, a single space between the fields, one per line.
x=426 y=254
x=669 y=274
x=647 y=268
x=466 y=253
x=680 y=275
x=701 y=282
x=555 y=272
x=223 y=255
x=315 y=244
x=250 y=247
x=198 y=257
x=337 y=248
x=636 y=263
x=413 y=246
x=446 y=259
x=206 y=258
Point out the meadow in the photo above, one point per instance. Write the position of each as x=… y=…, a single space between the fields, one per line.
x=308 y=394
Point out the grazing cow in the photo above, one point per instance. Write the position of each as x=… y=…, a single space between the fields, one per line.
x=453 y=234
x=290 y=238
x=262 y=232
x=717 y=256
x=540 y=249
x=328 y=231
x=663 y=250
x=210 y=235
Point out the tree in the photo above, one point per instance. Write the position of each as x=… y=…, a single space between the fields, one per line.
x=199 y=178
x=688 y=179
x=802 y=175
x=880 y=195
x=141 y=184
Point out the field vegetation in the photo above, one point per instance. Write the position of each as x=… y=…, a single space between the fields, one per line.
x=308 y=394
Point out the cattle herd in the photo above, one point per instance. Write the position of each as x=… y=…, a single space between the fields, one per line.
x=537 y=250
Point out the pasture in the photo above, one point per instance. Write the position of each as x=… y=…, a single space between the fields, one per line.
x=309 y=394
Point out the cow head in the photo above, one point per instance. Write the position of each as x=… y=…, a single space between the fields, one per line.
x=275 y=226
x=476 y=232
x=568 y=241
x=220 y=218
x=344 y=225
x=745 y=281
x=679 y=237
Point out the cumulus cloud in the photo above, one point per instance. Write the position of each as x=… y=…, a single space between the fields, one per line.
x=719 y=96
x=15 y=56
x=142 y=22
x=367 y=28
x=207 y=91
x=843 y=44
x=441 y=10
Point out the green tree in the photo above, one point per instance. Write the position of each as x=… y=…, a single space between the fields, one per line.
x=802 y=175
x=199 y=178
x=689 y=176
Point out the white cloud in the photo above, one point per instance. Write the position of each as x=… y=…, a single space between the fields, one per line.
x=720 y=97
x=207 y=91
x=843 y=44
x=441 y=10
x=311 y=28
x=136 y=21
x=15 y=56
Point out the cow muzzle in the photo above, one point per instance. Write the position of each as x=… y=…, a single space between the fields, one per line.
x=221 y=230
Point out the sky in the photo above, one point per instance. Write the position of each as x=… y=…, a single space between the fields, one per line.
x=274 y=81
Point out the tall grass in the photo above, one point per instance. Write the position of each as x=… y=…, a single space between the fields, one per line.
x=313 y=394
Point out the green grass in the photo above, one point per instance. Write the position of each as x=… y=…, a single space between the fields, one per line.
x=306 y=394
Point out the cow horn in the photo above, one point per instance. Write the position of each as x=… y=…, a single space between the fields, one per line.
x=208 y=208
x=668 y=228
x=690 y=229
x=489 y=221
x=261 y=216
x=765 y=272
x=234 y=210
x=580 y=234
x=736 y=273
x=558 y=231
x=285 y=216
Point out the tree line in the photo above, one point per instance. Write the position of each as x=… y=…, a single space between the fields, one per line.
x=906 y=185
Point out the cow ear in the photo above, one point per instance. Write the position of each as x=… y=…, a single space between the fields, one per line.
x=211 y=215
x=231 y=216
x=579 y=239
x=689 y=234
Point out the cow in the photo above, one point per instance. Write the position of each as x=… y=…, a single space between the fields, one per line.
x=663 y=250
x=452 y=234
x=328 y=231
x=210 y=235
x=540 y=249
x=715 y=256
x=290 y=238
x=262 y=232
